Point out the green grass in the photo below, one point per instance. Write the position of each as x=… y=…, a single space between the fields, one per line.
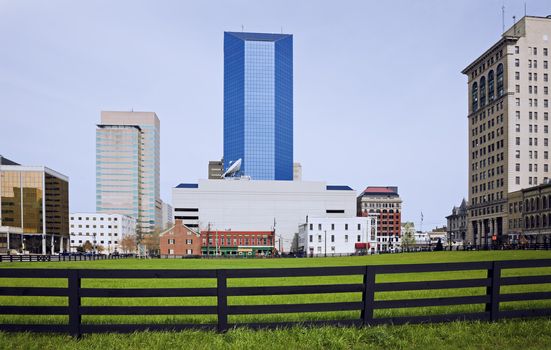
x=454 y=335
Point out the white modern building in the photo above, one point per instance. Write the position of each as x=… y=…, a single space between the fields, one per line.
x=100 y=229
x=338 y=236
x=249 y=205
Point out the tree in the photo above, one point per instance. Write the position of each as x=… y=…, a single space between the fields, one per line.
x=87 y=246
x=100 y=248
x=128 y=244
x=439 y=247
x=294 y=244
x=407 y=240
x=152 y=242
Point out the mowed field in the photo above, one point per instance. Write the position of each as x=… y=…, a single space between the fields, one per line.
x=511 y=334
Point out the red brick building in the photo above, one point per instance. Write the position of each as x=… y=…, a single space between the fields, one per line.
x=384 y=202
x=180 y=240
x=239 y=243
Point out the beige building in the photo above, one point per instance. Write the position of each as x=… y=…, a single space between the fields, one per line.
x=508 y=89
x=127 y=167
x=216 y=169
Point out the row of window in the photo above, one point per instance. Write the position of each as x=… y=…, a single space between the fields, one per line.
x=94 y=218
x=237 y=241
x=101 y=242
x=332 y=226
x=94 y=226
x=92 y=234
x=478 y=89
x=532 y=63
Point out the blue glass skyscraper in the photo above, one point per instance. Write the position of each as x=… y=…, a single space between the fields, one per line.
x=258 y=104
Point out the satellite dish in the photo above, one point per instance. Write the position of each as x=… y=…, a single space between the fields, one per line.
x=233 y=169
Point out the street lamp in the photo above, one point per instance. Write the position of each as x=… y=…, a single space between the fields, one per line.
x=325 y=241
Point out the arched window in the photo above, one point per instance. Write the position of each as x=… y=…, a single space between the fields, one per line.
x=491 y=86
x=500 y=80
x=544 y=202
x=482 y=92
x=475 y=96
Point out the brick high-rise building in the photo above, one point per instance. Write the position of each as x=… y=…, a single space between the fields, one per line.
x=386 y=204
x=508 y=98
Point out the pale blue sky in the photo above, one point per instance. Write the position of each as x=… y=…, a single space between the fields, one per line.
x=379 y=98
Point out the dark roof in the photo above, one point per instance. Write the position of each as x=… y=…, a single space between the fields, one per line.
x=258 y=36
x=6 y=161
x=338 y=188
x=188 y=186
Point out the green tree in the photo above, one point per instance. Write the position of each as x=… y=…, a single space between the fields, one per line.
x=294 y=243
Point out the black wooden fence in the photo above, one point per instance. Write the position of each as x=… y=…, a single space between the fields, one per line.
x=222 y=310
x=61 y=257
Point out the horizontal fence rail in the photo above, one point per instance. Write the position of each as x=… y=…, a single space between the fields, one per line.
x=74 y=292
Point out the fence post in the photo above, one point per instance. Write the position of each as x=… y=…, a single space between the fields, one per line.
x=222 y=300
x=494 y=274
x=368 y=296
x=74 y=303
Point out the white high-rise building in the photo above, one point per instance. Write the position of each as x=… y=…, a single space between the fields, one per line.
x=127 y=167
x=103 y=231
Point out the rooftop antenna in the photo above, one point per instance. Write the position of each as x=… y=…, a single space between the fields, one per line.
x=514 y=25
x=525 y=9
x=503 y=18
x=242 y=28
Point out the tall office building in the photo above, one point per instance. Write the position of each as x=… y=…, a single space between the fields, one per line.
x=508 y=89
x=258 y=104
x=127 y=167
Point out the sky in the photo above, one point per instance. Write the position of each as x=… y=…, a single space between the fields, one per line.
x=379 y=98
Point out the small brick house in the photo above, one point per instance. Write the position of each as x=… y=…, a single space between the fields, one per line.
x=180 y=240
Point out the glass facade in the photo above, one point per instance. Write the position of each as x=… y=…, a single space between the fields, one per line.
x=37 y=202
x=127 y=167
x=258 y=104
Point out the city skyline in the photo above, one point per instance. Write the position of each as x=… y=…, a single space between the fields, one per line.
x=48 y=95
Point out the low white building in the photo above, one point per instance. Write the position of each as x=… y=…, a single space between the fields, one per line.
x=249 y=205
x=338 y=236
x=105 y=230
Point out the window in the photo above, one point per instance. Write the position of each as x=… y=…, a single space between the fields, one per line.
x=359 y=227
x=311 y=227
x=332 y=227
x=545 y=51
x=535 y=50
x=491 y=86
x=474 y=96
x=517 y=154
x=332 y=238
x=517 y=102
x=171 y=241
x=319 y=238
x=345 y=238
x=319 y=227
x=517 y=62
x=517 y=141
x=545 y=65
x=346 y=226
x=517 y=75
x=517 y=49
x=517 y=89
x=517 y=167
x=517 y=180
x=517 y=127
x=359 y=238
x=482 y=92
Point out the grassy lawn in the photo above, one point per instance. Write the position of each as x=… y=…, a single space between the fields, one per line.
x=505 y=334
